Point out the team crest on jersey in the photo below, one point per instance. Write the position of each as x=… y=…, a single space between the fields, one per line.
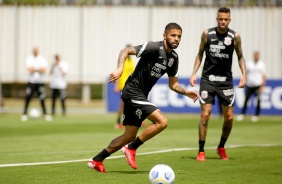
x=170 y=63
x=204 y=94
x=164 y=62
x=227 y=41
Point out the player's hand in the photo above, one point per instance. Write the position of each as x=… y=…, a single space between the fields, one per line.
x=115 y=76
x=242 y=82
x=193 y=80
x=193 y=95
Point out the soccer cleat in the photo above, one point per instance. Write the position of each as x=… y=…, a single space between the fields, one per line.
x=119 y=126
x=254 y=118
x=24 y=118
x=98 y=166
x=143 y=124
x=240 y=117
x=221 y=152
x=201 y=157
x=130 y=156
x=48 y=117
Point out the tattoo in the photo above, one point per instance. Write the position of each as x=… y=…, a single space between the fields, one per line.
x=226 y=129
x=179 y=89
x=238 y=49
x=124 y=53
x=201 y=52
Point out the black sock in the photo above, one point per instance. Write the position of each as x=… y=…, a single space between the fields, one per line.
x=222 y=142
x=201 y=145
x=135 y=144
x=101 y=156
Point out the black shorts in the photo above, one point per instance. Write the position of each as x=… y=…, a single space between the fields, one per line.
x=223 y=90
x=136 y=111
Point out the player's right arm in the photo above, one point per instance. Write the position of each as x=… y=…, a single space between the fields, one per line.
x=199 y=57
x=115 y=75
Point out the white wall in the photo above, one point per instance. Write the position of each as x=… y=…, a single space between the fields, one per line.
x=90 y=37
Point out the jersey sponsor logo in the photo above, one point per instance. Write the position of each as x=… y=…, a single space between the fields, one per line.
x=213 y=40
x=170 y=62
x=204 y=94
x=217 y=78
x=228 y=92
x=138 y=112
x=215 y=51
x=157 y=70
x=164 y=62
x=160 y=66
x=227 y=41
x=217 y=47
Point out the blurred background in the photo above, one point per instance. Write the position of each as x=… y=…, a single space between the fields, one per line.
x=89 y=34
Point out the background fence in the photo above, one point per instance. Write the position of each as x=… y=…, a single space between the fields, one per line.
x=90 y=37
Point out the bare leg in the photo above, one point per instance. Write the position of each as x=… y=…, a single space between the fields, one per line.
x=160 y=122
x=203 y=124
x=127 y=137
x=228 y=121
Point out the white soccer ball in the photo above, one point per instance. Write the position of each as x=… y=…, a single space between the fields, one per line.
x=34 y=113
x=161 y=174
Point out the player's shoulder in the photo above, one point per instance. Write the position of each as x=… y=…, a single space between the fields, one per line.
x=210 y=31
x=174 y=54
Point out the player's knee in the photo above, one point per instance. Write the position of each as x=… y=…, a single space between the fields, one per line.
x=229 y=119
x=163 y=123
x=205 y=116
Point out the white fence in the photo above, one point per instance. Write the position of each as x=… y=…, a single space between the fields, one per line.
x=90 y=37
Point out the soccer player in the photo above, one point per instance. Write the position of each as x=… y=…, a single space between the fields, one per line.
x=36 y=66
x=156 y=59
x=218 y=43
x=128 y=68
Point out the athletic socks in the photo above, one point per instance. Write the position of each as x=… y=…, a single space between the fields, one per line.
x=101 y=156
x=222 y=142
x=135 y=144
x=201 y=146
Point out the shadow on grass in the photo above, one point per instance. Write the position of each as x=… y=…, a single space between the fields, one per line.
x=129 y=172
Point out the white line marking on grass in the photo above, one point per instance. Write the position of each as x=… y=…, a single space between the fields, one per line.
x=145 y=153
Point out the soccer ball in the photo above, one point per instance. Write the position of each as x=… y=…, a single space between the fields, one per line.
x=161 y=174
x=34 y=113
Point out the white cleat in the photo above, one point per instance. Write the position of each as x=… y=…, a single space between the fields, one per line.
x=48 y=117
x=24 y=118
x=254 y=118
x=240 y=117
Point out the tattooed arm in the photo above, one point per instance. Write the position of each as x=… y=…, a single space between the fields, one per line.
x=176 y=87
x=199 y=57
x=115 y=75
x=241 y=60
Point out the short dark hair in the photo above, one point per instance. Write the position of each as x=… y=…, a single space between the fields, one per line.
x=172 y=26
x=224 y=10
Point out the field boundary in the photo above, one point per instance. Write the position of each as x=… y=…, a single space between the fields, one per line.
x=144 y=153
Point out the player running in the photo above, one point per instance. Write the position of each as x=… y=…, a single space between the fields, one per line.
x=156 y=59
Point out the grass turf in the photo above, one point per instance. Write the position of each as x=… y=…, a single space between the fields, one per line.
x=79 y=137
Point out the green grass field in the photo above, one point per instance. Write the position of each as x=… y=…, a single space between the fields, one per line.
x=34 y=151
